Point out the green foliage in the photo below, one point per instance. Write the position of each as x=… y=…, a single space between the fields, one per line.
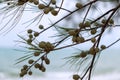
x=75 y=25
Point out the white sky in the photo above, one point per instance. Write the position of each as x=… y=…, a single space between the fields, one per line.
x=9 y=39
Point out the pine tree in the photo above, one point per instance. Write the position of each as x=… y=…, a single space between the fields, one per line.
x=78 y=21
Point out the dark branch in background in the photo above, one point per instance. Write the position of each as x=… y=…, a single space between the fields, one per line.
x=67 y=16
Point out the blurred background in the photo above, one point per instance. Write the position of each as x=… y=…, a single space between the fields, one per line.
x=108 y=64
